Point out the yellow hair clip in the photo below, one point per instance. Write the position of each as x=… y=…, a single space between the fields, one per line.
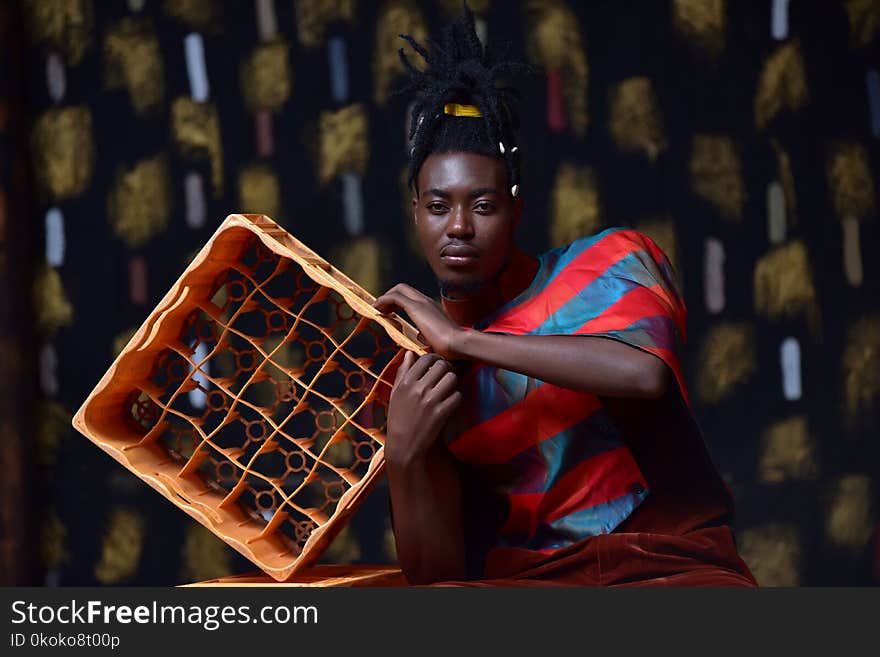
x=462 y=110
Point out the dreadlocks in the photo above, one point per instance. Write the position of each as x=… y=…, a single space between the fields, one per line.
x=460 y=71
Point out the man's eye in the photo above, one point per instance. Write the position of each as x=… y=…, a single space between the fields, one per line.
x=436 y=208
x=484 y=207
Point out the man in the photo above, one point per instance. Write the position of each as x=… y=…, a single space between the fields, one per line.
x=547 y=438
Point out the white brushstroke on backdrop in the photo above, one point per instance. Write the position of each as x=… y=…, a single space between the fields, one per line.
x=56 y=77
x=336 y=52
x=790 y=361
x=779 y=20
x=194 y=190
x=775 y=212
x=267 y=20
x=54 y=237
x=852 y=252
x=196 y=69
x=49 y=370
x=197 y=397
x=713 y=275
x=353 y=203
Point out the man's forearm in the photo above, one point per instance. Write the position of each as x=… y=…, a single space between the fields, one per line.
x=426 y=507
x=598 y=365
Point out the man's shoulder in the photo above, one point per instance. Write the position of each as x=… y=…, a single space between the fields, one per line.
x=617 y=239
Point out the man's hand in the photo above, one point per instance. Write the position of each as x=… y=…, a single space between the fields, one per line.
x=435 y=326
x=422 y=400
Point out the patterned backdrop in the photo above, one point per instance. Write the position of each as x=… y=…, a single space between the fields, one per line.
x=742 y=136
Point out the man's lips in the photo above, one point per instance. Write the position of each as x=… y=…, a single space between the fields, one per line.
x=458 y=251
x=458 y=254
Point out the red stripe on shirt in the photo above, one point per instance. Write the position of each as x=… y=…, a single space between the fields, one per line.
x=541 y=414
x=598 y=480
x=636 y=304
x=586 y=267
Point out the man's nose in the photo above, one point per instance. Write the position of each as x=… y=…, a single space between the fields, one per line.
x=460 y=224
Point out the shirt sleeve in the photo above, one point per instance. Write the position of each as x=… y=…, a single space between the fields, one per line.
x=632 y=295
x=618 y=284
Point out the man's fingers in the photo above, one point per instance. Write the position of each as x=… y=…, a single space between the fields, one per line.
x=386 y=302
x=401 y=296
x=449 y=404
x=417 y=371
x=445 y=386
x=409 y=292
x=404 y=366
x=437 y=371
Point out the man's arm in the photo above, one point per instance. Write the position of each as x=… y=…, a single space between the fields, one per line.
x=601 y=366
x=598 y=365
x=423 y=480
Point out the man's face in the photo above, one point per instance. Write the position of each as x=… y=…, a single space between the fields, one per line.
x=465 y=218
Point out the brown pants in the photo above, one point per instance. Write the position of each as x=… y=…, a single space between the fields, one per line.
x=703 y=557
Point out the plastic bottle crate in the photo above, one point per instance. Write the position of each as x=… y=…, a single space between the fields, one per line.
x=254 y=396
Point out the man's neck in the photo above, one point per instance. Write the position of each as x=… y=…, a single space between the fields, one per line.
x=516 y=277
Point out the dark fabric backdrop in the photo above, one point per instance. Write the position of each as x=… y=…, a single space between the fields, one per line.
x=744 y=128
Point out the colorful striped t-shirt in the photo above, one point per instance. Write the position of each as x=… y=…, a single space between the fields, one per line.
x=553 y=455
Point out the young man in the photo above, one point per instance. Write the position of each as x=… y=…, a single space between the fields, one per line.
x=547 y=439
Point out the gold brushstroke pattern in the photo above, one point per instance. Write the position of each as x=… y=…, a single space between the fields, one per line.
x=259 y=191
x=64 y=25
x=850 y=181
x=53 y=541
x=782 y=85
x=121 y=339
x=861 y=367
x=266 y=77
x=313 y=17
x=199 y=14
x=864 y=21
x=139 y=201
x=133 y=60
x=788 y=451
x=574 y=202
x=53 y=422
x=786 y=177
x=773 y=553
x=783 y=285
x=344 y=549
x=395 y=17
x=195 y=128
x=636 y=122
x=717 y=174
x=702 y=22
x=555 y=42
x=52 y=310
x=204 y=555
x=851 y=514
x=344 y=144
x=363 y=260
x=662 y=231
x=728 y=359
x=64 y=151
x=121 y=548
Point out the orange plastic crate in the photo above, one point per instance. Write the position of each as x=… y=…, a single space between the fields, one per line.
x=254 y=395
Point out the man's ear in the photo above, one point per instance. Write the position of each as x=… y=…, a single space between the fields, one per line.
x=415 y=203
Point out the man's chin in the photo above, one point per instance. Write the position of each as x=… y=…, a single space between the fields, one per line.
x=460 y=288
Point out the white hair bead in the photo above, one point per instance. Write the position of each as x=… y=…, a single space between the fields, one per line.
x=514 y=190
x=501 y=147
